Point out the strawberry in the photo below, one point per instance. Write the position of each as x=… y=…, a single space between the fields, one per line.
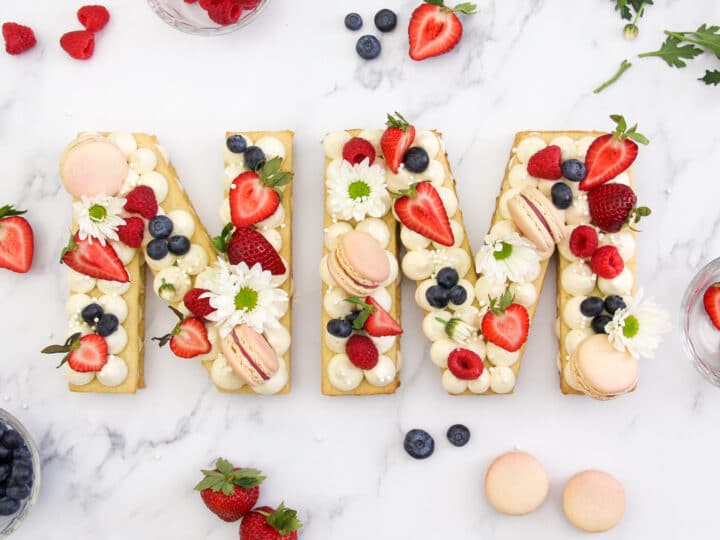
x=82 y=353
x=583 y=241
x=362 y=351
x=251 y=247
x=606 y=262
x=131 y=234
x=546 y=163
x=613 y=205
x=506 y=324
x=200 y=307
x=357 y=149
x=18 y=38
x=421 y=209
x=188 y=339
x=611 y=154
x=711 y=301
x=230 y=492
x=374 y=319
x=465 y=364
x=397 y=138
x=435 y=28
x=93 y=18
x=79 y=44
x=254 y=196
x=141 y=200
x=93 y=259
x=16 y=240
x=265 y=523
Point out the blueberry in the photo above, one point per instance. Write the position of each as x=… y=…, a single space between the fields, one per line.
x=385 y=20
x=613 y=303
x=599 y=322
x=254 y=158
x=92 y=313
x=178 y=244
x=437 y=296
x=2 y=490
x=458 y=295
x=8 y=506
x=447 y=277
x=574 y=170
x=160 y=227
x=236 y=144
x=339 y=328
x=368 y=47
x=21 y=473
x=419 y=444
x=3 y=427
x=458 y=435
x=19 y=492
x=22 y=453
x=5 y=453
x=107 y=324
x=4 y=472
x=350 y=317
x=11 y=439
x=416 y=159
x=157 y=249
x=353 y=21
x=562 y=195
x=591 y=306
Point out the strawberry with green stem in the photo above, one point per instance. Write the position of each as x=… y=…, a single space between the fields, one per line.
x=255 y=196
x=82 y=353
x=506 y=324
x=373 y=318
x=396 y=140
x=228 y=491
x=266 y=523
x=189 y=337
x=435 y=28
x=16 y=240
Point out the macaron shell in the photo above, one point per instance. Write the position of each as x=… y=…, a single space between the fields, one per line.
x=363 y=257
x=549 y=212
x=529 y=224
x=93 y=166
x=246 y=351
x=345 y=282
x=516 y=483
x=603 y=368
x=594 y=501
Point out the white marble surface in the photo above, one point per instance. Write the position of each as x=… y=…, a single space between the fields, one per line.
x=124 y=466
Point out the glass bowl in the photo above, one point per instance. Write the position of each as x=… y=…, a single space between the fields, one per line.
x=193 y=19
x=8 y=524
x=700 y=338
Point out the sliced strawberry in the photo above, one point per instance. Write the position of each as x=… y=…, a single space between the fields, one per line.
x=711 y=301
x=465 y=364
x=255 y=196
x=397 y=138
x=506 y=324
x=546 y=163
x=82 y=353
x=93 y=259
x=188 y=339
x=16 y=240
x=358 y=149
x=373 y=318
x=200 y=307
x=421 y=209
x=435 y=28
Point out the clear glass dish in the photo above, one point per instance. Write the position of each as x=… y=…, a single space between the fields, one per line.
x=8 y=524
x=700 y=338
x=193 y=19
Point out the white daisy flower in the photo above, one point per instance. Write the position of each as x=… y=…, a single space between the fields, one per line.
x=508 y=256
x=638 y=328
x=243 y=295
x=99 y=217
x=357 y=191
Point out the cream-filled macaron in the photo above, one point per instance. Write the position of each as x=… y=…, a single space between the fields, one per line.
x=359 y=264
x=535 y=216
x=603 y=371
x=516 y=483
x=93 y=166
x=594 y=501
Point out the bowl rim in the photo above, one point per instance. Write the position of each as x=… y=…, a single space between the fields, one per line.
x=159 y=10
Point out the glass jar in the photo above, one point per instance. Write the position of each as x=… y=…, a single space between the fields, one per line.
x=193 y=19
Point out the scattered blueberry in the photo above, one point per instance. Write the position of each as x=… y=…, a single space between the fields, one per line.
x=458 y=295
x=339 y=328
x=599 y=323
x=18 y=492
x=419 y=444
x=353 y=21
x=562 y=195
x=613 y=303
x=107 y=324
x=92 y=313
x=236 y=144
x=254 y=158
x=447 y=277
x=437 y=296
x=160 y=227
x=591 y=306
x=458 y=435
x=385 y=20
x=416 y=159
x=574 y=170
x=11 y=439
x=8 y=506
x=350 y=317
x=368 y=47
x=157 y=249
x=178 y=244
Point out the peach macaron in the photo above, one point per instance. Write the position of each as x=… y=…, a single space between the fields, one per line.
x=601 y=370
x=594 y=501
x=359 y=264
x=516 y=483
x=93 y=166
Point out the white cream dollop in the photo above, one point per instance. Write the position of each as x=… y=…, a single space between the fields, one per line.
x=440 y=351
x=575 y=338
x=578 y=278
x=486 y=289
x=620 y=284
x=572 y=316
x=499 y=356
x=178 y=281
x=112 y=287
x=452 y=384
x=117 y=341
x=428 y=141
x=79 y=283
x=112 y=303
x=417 y=264
x=383 y=373
x=502 y=379
x=334 y=303
x=481 y=384
x=528 y=147
x=343 y=374
x=114 y=372
x=276 y=383
x=124 y=141
x=433 y=329
x=77 y=378
x=384 y=343
x=194 y=261
x=142 y=160
x=334 y=142
x=376 y=228
x=412 y=240
x=183 y=223
x=223 y=375
x=334 y=343
x=272 y=147
x=519 y=178
x=279 y=339
x=624 y=241
x=157 y=182
x=524 y=293
x=76 y=303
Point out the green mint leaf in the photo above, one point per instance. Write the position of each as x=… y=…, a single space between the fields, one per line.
x=711 y=77
x=673 y=53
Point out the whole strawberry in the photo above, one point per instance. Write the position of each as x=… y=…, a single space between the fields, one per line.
x=230 y=492
x=613 y=205
x=264 y=523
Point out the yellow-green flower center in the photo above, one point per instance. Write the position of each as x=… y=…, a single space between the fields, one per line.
x=97 y=212
x=504 y=252
x=632 y=327
x=246 y=299
x=358 y=189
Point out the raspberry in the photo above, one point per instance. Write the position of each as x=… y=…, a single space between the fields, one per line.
x=583 y=241
x=18 y=38
x=225 y=12
x=546 y=163
x=200 y=307
x=79 y=44
x=362 y=352
x=465 y=364
x=357 y=149
x=141 y=200
x=131 y=234
x=93 y=18
x=606 y=262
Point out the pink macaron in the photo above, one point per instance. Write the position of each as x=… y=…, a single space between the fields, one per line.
x=594 y=501
x=536 y=218
x=516 y=483
x=601 y=370
x=359 y=264
x=249 y=355
x=93 y=166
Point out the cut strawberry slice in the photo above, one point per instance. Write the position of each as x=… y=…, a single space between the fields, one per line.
x=711 y=301
x=93 y=259
x=255 y=196
x=435 y=28
x=188 y=339
x=16 y=240
x=397 y=138
x=82 y=353
x=506 y=324
x=421 y=209
x=374 y=319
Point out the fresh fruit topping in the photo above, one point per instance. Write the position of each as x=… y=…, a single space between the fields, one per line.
x=606 y=262
x=94 y=260
x=416 y=159
x=82 y=353
x=438 y=296
x=396 y=140
x=611 y=154
x=141 y=200
x=107 y=325
x=465 y=364
x=574 y=170
x=385 y=20
x=353 y=21
x=583 y=241
x=352 y=316
x=255 y=196
x=614 y=302
x=546 y=163
x=237 y=144
x=599 y=323
x=458 y=295
x=16 y=240
x=157 y=249
x=178 y=245
x=419 y=444
x=340 y=328
x=93 y=18
x=79 y=44
x=373 y=318
x=562 y=195
x=613 y=205
x=188 y=339
x=591 y=306
x=91 y=313
x=249 y=246
x=160 y=227
x=200 y=307
x=225 y=12
x=458 y=435
x=435 y=28
x=358 y=149
x=264 y=523
x=362 y=352
x=132 y=232
x=447 y=277
x=421 y=209
x=18 y=38
x=230 y=492
x=711 y=301
x=506 y=324
x=254 y=158
x=368 y=47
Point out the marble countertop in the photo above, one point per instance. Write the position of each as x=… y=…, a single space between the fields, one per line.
x=124 y=466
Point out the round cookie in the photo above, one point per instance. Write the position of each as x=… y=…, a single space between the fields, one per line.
x=603 y=371
x=93 y=166
x=594 y=501
x=516 y=483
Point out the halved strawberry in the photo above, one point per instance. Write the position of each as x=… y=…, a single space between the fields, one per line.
x=254 y=196
x=421 y=209
x=711 y=301
x=397 y=138
x=506 y=324
x=16 y=240
x=374 y=319
x=611 y=154
x=435 y=28
x=188 y=339
x=94 y=260
x=82 y=353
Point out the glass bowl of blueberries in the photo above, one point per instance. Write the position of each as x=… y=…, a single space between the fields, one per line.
x=19 y=473
x=208 y=17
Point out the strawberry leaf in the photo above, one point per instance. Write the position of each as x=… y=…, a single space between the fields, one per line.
x=9 y=210
x=226 y=477
x=284 y=520
x=272 y=176
x=466 y=8
x=399 y=121
x=222 y=241
x=622 y=132
x=366 y=310
x=71 y=245
x=711 y=77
